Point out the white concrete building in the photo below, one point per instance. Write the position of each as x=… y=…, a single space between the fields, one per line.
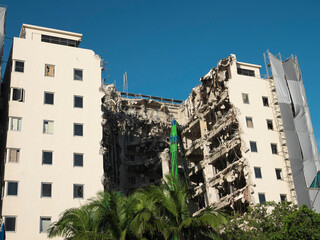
x=52 y=161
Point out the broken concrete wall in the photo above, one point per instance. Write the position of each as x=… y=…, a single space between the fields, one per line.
x=218 y=171
x=135 y=142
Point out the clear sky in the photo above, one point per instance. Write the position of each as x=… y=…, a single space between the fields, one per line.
x=166 y=46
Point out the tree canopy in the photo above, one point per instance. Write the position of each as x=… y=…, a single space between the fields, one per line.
x=274 y=221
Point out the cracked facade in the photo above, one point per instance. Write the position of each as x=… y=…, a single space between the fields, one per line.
x=233 y=143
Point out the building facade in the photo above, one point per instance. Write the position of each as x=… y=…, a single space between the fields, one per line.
x=233 y=135
x=51 y=130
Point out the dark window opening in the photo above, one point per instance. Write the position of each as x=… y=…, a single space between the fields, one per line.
x=10 y=223
x=60 y=41
x=77 y=191
x=46 y=189
x=47 y=157
x=274 y=148
x=279 y=174
x=283 y=197
x=12 y=189
x=78 y=129
x=77 y=74
x=257 y=172
x=265 y=101
x=270 y=124
x=245 y=72
x=78 y=102
x=262 y=198
x=78 y=160
x=48 y=98
x=19 y=66
x=18 y=94
x=253 y=147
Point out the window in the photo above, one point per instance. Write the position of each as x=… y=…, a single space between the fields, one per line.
x=253 y=147
x=48 y=98
x=269 y=124
x=78 y=160
x=274 y=148
x=262 y=197
x=47 y=157
x=60 y=41
x=283 y=197
x=77 y=191
x=14 y=154
x=78 y=102
x=10 y=223
x=49 y=70
x=245 y=72
x=17 y=94
x=265 y=101
x=316 y=182
x=47 y=127
x=46 y=189
x=12 y=188
x=249 y=122
x=278 y=173
x=257 y=172
x=44 y=224
x=77 y=74
x=245 y=98
x=15 y=124
x=19 y=66
x=77 y=129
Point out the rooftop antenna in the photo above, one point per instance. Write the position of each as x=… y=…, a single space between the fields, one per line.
x=125 y=83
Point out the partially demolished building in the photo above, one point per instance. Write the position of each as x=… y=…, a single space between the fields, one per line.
x=232 y=133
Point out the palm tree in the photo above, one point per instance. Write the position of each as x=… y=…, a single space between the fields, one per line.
x=172 y=204
x=112 y=214
x=157 y=212
x=77 y=224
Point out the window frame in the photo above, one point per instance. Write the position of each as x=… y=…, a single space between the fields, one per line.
x=15 y=222
x=263 y=101
x=262 y=195
x=248 y=119
x=74 y=155
x=74 y=190
x=283 y=195
x=74 y=128
x=45 y=70
x=274 y=150
x=15 y=66
x=41 y=193
x=40 y=227
x=7 y=191
x=279 y=173
x=21 y=94
x=42 y=160
x=74 y=101
x=9 y=155
x=74 y=74
x=44 y=98
x=269 y=121
x=19 y=124
x=43 y=130
x=247 y=97
x=256 y=146
x=257 y=172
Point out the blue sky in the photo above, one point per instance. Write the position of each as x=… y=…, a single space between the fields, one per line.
x=166 y=46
